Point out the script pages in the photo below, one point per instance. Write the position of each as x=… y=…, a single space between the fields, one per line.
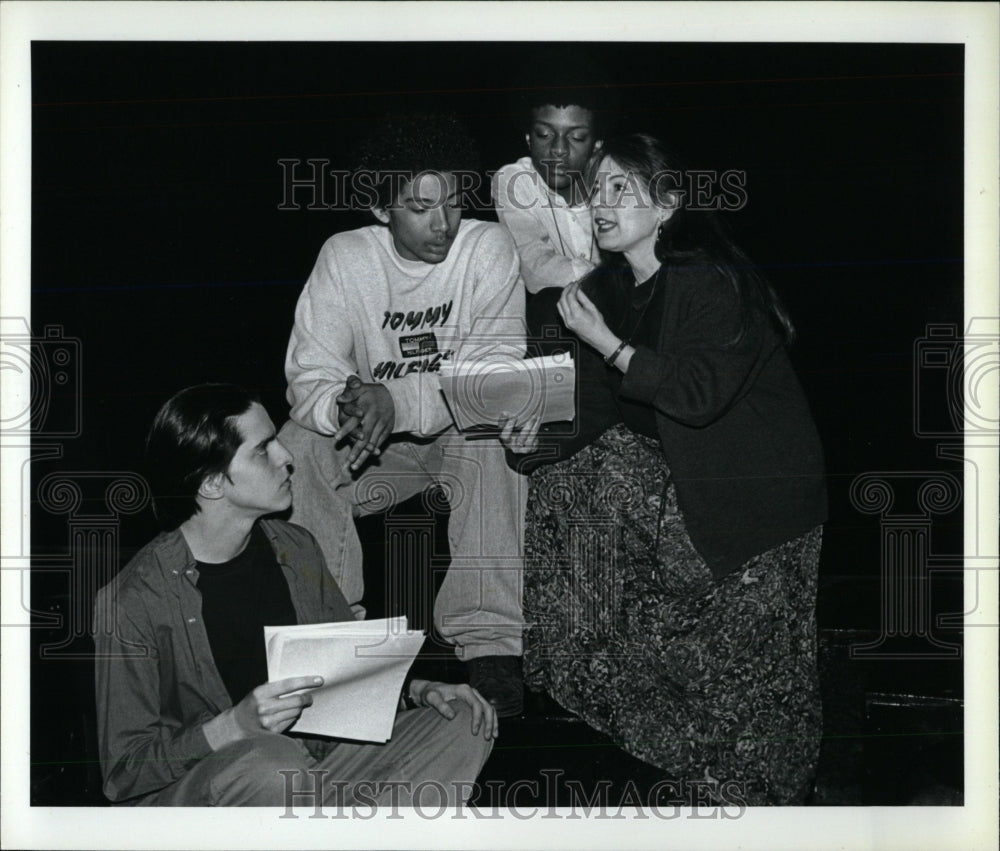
x=479 y=392
x=363 y=665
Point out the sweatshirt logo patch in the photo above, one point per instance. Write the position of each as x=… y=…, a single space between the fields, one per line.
x=413 y=320
x=418 y=344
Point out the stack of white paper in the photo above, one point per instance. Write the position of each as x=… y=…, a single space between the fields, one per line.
x=363 y=665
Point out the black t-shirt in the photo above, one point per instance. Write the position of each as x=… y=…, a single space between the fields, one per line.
x=238 y=599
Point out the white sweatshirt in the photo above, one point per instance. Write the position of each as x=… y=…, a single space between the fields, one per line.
x=366 y=311
x=555 y=241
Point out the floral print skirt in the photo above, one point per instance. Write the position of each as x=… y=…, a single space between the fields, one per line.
x=713 y=681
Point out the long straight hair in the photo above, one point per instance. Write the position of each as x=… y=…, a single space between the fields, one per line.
x=691 y=236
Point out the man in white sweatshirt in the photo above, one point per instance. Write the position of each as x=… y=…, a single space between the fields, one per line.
x=385 y=306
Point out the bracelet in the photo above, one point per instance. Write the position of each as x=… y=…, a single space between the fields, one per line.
x=610 y=359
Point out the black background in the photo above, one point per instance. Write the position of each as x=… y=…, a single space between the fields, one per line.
x=157 y=240
x=158 y=244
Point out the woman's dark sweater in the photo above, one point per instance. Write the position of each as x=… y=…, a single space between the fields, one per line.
x=732 y=420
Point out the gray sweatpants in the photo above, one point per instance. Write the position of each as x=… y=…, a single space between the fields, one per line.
x=479 y=605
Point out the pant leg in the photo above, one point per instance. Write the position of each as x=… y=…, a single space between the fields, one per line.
x=243 y=774
x=321 y=505
x=479 y=604
x=326 y=497
x=435 y=761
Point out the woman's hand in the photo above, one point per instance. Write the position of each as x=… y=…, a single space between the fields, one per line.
x=522 y=440
x=582 y=317
x=437 y=695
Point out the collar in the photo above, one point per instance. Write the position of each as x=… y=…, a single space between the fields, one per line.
x=543 y=188
x=177 y=562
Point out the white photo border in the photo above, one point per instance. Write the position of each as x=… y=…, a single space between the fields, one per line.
x=972 y=24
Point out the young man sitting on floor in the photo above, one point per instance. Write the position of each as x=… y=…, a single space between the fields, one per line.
x=185 y=715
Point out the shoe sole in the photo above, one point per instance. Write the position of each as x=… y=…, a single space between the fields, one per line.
x=510 y=709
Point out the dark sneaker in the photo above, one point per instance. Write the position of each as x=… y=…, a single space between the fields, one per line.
x=499 y=680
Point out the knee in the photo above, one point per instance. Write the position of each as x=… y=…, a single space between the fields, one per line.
x=447 y=732
x=262 y=771
x=460 y=727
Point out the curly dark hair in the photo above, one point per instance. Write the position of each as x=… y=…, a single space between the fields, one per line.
x=564 y=75
x=401 y=145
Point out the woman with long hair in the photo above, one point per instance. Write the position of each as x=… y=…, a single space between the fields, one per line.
x=674 y=530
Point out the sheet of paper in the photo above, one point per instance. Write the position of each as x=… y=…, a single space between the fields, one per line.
x=363 y=664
